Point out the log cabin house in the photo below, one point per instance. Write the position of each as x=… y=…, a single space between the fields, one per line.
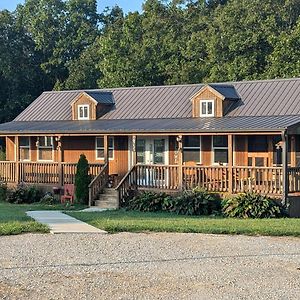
x=226 y=137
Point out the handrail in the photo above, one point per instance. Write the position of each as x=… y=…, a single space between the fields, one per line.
x=124 y=178
x=98 y=183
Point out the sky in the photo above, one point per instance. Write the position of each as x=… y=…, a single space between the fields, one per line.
x=127 y=5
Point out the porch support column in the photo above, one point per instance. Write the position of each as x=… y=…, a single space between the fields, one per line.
x=106 y=151
x=293 y=151
x=285 y=178
x=134 y=160
x=59 y=159
x=230 y=163
x=17 y=168
x=180 y=162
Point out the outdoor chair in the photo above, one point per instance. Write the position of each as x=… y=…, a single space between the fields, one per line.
x=68 y=193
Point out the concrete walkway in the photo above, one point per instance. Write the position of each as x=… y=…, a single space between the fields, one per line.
x=62 y=223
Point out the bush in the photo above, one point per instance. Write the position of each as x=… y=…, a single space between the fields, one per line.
x=24 y=194
x=195 y=202
x=48 y=199
x=251 y=205
x=148 y=201
x=3 y=191
x=2 y=155
x=82 y=180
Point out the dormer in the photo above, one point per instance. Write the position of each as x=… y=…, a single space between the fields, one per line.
x=90 y=105
x=214 y=100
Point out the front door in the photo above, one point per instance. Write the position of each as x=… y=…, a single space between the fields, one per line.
x=152 y=151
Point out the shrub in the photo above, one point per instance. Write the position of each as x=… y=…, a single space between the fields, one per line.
x=2 y=155
x=251 y=205
x=194 y=202
x=148 y=201
x=24 y=194
x=48 y=199
x=3 y=191
x=82 y=180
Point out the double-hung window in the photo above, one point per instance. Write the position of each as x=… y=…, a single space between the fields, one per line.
x=24 y=146
x=192 y=149
x=220 y=149
x=83 y=112
x=100 y=148
x=45 y=148
x=207 y=108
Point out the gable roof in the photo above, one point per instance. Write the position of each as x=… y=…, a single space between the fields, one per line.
x=257 y=98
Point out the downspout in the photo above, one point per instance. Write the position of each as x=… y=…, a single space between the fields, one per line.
x=285 y=175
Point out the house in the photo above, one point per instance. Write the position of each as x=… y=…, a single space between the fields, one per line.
x=226 y=137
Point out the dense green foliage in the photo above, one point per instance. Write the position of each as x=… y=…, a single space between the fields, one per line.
x=24 y=194
x=251 y=205
x=194 y=202
x=56 y=44
x=135 y=221
x=82 y=180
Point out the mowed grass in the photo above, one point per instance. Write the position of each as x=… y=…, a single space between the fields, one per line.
x=132 y=221
x=13 y=218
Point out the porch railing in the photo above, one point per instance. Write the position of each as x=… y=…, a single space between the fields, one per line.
x=51 y=173
x=294 y=179
x=98 y=184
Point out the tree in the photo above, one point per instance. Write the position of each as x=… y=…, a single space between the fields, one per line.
x=82 y=180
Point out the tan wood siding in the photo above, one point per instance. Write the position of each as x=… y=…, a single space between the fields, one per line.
x=10 y=148
x=241 y=151
x=84 y=100
x=173 y=159
x=207 y=95
x=206 y=150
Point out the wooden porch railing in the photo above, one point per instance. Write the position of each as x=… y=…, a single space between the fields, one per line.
x=294 y=179
x=127 y=184
x=42 y=172
x=98 y=184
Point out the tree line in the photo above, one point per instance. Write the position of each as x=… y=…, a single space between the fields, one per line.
x=56 y=44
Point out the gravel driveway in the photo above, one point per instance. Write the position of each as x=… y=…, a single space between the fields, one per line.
x=149 y=266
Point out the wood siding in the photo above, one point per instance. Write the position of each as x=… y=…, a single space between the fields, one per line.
x=206 y=94
x=84 y=100
x=206 y=150
x=241 y=150
x=173 y=154
x=10 y=148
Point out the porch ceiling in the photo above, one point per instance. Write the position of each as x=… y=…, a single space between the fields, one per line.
x=130 y=126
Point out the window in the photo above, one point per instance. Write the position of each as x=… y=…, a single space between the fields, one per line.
x=24 y=146
x=207 y=108
x=191 y=148
x=140 y=151
x=100 y=148
x=83 y=112
x=45 y=148
x=220 y=149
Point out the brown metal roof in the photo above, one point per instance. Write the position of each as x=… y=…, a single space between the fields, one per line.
x=258 y=98
x=185 y=125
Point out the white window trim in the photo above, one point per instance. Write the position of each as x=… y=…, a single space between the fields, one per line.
x=26 y=147
x=213 y=153
x=196 y=148
x=88 y=112
x=99 y=148
x=213 y=108
x=45 y=147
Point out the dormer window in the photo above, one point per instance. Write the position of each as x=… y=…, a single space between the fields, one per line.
x=83 y=112
x=207 y=108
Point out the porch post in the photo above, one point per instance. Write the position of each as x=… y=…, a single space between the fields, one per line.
x=285 y=176
x=180 y=162
x=133 y=150
x=293 y=151
x=230 y=163
x=106 y=150
x=60 y=159
x=17 y=159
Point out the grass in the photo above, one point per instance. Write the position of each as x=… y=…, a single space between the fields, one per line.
x=13 y=218
x=132 y=221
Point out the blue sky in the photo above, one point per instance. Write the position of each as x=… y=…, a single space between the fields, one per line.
x=127 y=5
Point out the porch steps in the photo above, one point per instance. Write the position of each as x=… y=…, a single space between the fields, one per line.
x=108 y=199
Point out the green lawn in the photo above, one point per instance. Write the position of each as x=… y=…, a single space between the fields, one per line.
x=118 y=221
x=13 y=219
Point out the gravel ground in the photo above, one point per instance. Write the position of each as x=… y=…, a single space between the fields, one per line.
x=149 y=266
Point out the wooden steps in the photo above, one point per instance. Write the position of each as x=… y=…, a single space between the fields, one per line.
x=108 y=199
